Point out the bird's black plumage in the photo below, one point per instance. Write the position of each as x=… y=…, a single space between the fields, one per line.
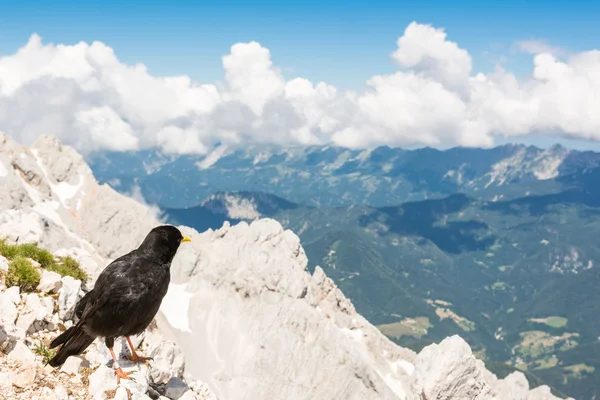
x=126 y=296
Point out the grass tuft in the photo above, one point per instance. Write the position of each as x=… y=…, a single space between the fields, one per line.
x=45 y=352
x=68 y=266
x=65 y=266
x=22 y=273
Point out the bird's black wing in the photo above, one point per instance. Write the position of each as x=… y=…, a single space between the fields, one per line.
x=114 y=273
x=95 y=298
x=119 y=263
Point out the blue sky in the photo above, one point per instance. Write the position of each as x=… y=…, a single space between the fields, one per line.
x=341 y=42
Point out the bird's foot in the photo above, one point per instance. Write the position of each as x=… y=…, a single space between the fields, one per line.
x=137 y=359
x=122 y=374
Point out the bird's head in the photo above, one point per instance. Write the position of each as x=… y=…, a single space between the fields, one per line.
x=163 y=242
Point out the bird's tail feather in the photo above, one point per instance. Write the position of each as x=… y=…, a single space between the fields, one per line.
x=74 y=341
x=63 y=337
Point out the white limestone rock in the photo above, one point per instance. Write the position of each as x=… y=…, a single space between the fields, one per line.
x=13 y=294
x=21 y=354
x=541 y=393
x=139 y=381
x=6 y=379
x=68 y=296
x=50 y=282
x=71 y=365
x=189 y=395
x=25 y=375
x=34 y=304
x=25 y=321
x=101 y=381
x=8 y=310
x=448 y=370
x=45 y=393
x=121 y=394
x=61 y=393
x=3 y=264
x=168 y=361
x=513 y=387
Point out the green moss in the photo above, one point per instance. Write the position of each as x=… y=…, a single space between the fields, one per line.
x=7 y=250
x=65 y=266
x=27 y=250
x=68 y=266
x=21 y=273
x=30 y=250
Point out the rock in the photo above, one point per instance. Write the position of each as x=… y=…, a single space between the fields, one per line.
x=61 y=393
x=97 y=353
x=102 y=380
x=3 y=264
x=45 y=393
x=25 y=321
x=139 y=377
x=140 y=396
x=68 y=295
x=449 y=371
x=25 y=376
x=168 y=361
x=50 y=282
x=72 y=365
x=21 y=354
x=37 y=307
x=175 y=388
x=3 y=336
x=241 y=306
x=8 y=310
x=121 y=394
x=14 y=294
x=189 y=395
x=540 y=393
x=513 y=387
x=6 y=379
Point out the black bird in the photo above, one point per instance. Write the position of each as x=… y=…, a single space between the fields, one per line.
x=125 y=298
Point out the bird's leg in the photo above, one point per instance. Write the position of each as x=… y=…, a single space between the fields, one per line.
x=134 y=357
x=120 y=373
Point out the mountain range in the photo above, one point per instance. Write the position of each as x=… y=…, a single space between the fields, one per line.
x=334 y=176
x=248 y=316
x=496 y=245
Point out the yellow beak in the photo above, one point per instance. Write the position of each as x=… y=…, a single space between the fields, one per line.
x=186 y=239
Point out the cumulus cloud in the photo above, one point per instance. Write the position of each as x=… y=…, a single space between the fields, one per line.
x=87 y=97
x=534 y=46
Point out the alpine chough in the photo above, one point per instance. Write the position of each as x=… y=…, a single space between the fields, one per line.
x=125 y=298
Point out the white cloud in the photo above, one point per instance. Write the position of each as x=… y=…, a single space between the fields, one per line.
x=83 y=94
x=107 y=129
x=534 y=46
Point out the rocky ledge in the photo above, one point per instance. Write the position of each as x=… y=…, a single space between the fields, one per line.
x=29 y=321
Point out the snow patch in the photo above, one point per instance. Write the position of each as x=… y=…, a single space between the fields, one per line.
x=261 y=157
x=65 y=191
x=175 y=307
x=212 y=158
x=3 y=171
x=393 y=383
x=404 y=365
